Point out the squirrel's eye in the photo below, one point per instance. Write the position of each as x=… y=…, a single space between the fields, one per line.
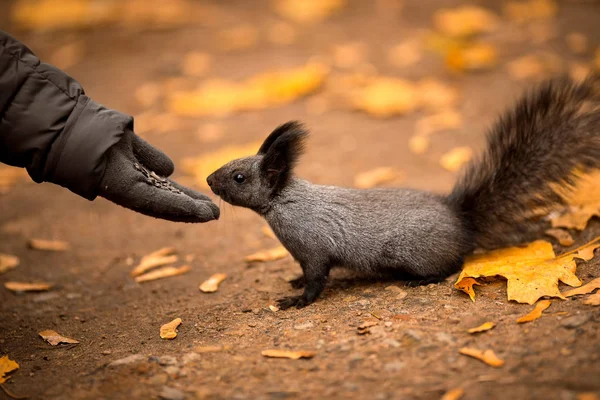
x=239 y=178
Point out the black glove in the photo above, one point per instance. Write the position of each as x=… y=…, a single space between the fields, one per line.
x=134 y=179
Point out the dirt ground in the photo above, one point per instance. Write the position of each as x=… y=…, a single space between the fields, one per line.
x=411 y=353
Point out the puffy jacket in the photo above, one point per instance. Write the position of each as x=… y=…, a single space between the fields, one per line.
x=49 y=126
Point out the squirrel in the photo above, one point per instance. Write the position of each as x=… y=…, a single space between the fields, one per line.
x=533 y=152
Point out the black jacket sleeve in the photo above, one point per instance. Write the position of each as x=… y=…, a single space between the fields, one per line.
x=49 y=126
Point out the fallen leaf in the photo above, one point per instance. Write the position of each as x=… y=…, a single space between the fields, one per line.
x=472 y=57
x=563 y=237
x=583 y=203
x=241 y=37
x=164 y=272
x=208 y=349
x=419 y=144
x=577 y=42
x=456 y=158
x=294 y=355
x=196 y=63
x=525 y=11
x=203 y=166
x=307 y=11
x=385 y=97
x=212 y=284
x=6 y=366
x=532 y=271
x=148 y=94
x=267 y=255
x=281 y=33
x=592 y=300
x=444 y=120
x=169 y=330
x=48 y=245
x=275 y=88
x=453 y=394
x=9 y=176
x=155 y=259
x=27 y=287
x=8 y=262
x=55 y=338
x=585 y=289
x=486 y=326
x=587 y=396
x=375 y=177
x=536 y=312
x=526 y=67
x=268 y=232
x=466 y=285
x=67 y=55
x=273 y=308
x=405 y=54
x=465 y=21
x=435 y=95
x=487 y=356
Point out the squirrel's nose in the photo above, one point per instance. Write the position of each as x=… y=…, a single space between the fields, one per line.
x=211 y=179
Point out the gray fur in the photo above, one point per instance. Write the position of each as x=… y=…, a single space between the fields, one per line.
x=410 y=234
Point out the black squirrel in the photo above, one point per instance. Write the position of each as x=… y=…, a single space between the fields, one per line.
x=532 y=149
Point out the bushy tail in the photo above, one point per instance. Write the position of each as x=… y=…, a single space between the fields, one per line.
x=532 y=154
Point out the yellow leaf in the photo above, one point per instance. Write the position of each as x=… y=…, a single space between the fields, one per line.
x=585 y=289
x=487 y=356
x=593 y=300
x=48 y=245
x=169 y=330
x=385 y=97
x=465 y=21
x=164 y=272
x=27 y=287
x=55 y=338
x=563 y=237
x=294 y=355
x=536 y=312
x=307 y=11
x=466 y=285
x=6 y=366
x=583 y=201
x=7 y=262
x=486 y=326
x=453 y=394
x=374 y=177
x=532 y=271
x=472 y=57
x=268 y=255
x=456 y=158
x=155 y=259
x=212 y=284
x=435 y=95
x=201 y=167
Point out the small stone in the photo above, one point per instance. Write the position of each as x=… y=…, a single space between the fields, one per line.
x=575 y=321
x=136 y=358
x=304 y=326
x=394 y=366
x=169 y=393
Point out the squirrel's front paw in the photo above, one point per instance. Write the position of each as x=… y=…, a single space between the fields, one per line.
x=290 y=301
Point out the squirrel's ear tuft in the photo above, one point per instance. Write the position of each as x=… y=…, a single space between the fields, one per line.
x=281 y=151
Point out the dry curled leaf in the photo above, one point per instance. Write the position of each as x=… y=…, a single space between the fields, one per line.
x=8 y=262
x=486 y=326
x=27 y=287
x=564 y=238
x=585 y=289
x=583 y=203
x=48 y=245
x=532 y=271
x=466 y=285
x=273 y=308
x=487 y=356
x=453 y=394
x=212 y=284
x=267 y=255
x=169 y=330
x=158 y=258
x=203 y=166
x=456 y=158
x=307 y=11
x=593 y=300
x=536 y=312
x=385 y=97
x=6 y=366
x=55 y=338
x=464 y=21
x=294 y=355
x=374 y=177
x=164 y=272
x=472 y=57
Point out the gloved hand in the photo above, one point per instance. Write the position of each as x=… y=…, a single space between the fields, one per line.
x=134 y=178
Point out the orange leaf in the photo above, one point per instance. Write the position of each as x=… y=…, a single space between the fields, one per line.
x=164 y=272
x=48 y=245
x=456 y=158
x=453 y=394
x=374 y=177
x=294 y=355
x=563 y=237
x=536 y=312
x=486 y=326
x=585 y=289
x=593 y=300
x=267 y=255
x=6 y=366
x=7 y=262
x=169 y=330
x=466 y=285
x=55 y=338
x=487 y=356
x=27 y=287
x=155 y=259
x=212 y=284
